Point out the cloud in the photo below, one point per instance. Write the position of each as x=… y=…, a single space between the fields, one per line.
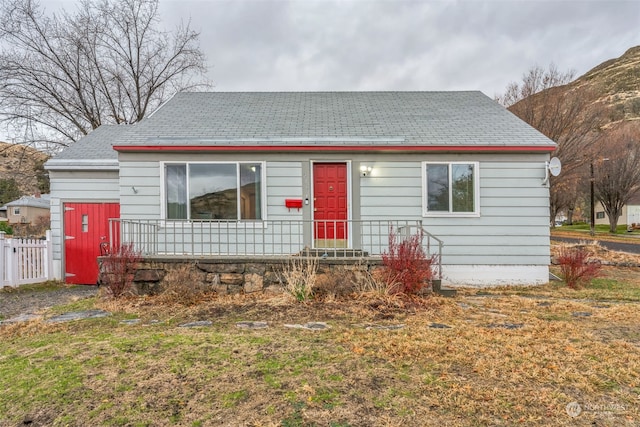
x=402 y=45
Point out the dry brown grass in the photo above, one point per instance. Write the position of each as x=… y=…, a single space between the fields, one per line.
x=299 y=277
x=184 y=285
x=565 y=346
x=599 y=252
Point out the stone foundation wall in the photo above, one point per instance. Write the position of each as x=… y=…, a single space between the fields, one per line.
x=240 y=275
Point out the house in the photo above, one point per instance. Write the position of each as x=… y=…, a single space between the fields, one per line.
x=265 y=174
x=630 y=212
x=27 y=209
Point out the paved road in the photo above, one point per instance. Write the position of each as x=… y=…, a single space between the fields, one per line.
x=633 y=248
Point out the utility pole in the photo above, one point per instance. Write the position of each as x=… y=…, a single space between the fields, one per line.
x=593 y=207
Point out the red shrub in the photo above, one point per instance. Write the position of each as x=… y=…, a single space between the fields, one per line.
x=407 y=262
x=576 y=269
x=118 y=269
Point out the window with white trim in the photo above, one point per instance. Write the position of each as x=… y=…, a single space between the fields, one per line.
x=214 y=191
x=450 y=188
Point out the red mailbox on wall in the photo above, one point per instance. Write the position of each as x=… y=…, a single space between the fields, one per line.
x=293 y=203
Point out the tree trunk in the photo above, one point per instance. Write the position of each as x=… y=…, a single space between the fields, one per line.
x=570 y=217
x=613 y=221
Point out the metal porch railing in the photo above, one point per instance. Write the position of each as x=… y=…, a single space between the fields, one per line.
x=341 y=238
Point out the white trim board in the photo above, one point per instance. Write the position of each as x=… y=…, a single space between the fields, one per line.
x=494 y=275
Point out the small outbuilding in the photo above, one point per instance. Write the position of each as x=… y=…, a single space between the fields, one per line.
x=26 y=209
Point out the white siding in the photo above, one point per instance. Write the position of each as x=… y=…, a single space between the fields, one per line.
x=98 y=186
x=513 y=226
x=144 y=201
x=284 y=181
x=392 y=191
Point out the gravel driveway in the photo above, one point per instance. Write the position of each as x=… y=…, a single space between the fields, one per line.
x=15 y=301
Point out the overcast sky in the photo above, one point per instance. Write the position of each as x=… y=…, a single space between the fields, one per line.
x=356 y=45
x=277 y=45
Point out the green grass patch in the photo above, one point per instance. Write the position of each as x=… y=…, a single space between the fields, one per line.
x=234 y=398
x=35 y=287
x=79 y=305
x=601 y=230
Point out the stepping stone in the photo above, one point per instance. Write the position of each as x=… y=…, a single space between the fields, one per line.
x=385 y=327
x=78 y=315
x=197 y=324
x=130 y=321
x=439 y=326
x=252 y=325
x=506 y=325
x=581 y=314
x=21 y=318
x=312 y=326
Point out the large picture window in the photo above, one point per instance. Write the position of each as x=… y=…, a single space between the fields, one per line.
x=213 y=191
x=451 y=188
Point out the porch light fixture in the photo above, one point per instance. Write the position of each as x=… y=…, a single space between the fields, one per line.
x=365 y=170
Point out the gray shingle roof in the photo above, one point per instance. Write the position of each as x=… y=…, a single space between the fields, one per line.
x=96 y=147
x=43 y=202
x=318 y=118
x=327 y=118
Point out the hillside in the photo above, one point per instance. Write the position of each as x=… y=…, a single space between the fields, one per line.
x=594 y=108
x=24 y=164
x=616 y=84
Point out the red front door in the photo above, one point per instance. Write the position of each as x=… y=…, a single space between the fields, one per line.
x=330 y=204
x=86 y=225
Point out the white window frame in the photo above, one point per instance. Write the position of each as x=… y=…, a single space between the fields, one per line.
x=263 y=189
x=16 y=210
x=449 y=213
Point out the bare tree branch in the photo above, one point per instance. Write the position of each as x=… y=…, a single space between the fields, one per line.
x=566 y=114
x=106 y=63
x=618 y=178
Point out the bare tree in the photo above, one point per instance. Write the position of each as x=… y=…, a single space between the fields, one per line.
x=618 y=179
x=106 y=63
x=566 y=114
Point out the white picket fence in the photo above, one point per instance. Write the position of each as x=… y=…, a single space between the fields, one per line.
x=24 y=261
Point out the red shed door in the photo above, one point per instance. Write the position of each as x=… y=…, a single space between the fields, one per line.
x=330 y=205
x=86 y=225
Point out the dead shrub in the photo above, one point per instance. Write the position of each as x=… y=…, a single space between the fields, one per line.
x=183 y=285
x=577 y=268
x=117 y=270
x=299 y=277
x=407 y=262
x=379 y=281
x=337 y=282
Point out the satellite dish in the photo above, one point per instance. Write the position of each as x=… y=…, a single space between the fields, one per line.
x=552 y=167
x=555 y=166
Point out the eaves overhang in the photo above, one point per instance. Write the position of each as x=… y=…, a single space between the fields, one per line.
x=334 y=148
x=82 y=164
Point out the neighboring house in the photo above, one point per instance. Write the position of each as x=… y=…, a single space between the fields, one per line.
x=27 y=209
x=216 y=174
x=630 y=212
